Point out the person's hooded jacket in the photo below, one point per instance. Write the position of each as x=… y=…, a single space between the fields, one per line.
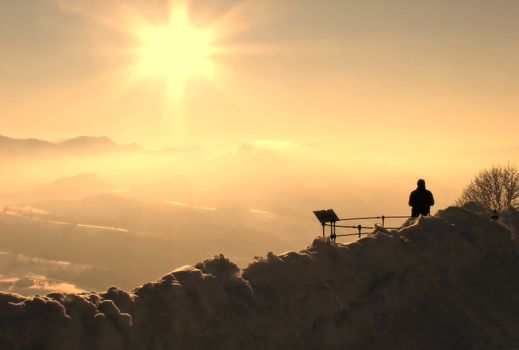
x=421 y=200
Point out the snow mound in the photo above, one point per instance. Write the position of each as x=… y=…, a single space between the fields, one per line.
x=445 y=282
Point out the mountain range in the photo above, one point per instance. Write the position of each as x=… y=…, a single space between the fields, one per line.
x=81 y=144
x=76 y=146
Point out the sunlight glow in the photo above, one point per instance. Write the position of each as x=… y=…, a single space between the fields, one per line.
x=175 y=52
x=172 y=54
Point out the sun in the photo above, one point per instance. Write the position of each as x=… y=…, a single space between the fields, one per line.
x=174 y=49
x=175 y=52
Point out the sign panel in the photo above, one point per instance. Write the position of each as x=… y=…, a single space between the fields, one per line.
x=326 y=216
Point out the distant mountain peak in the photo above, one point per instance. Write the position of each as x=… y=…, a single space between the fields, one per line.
x=88 y=140
x=72 y=187
x=80 y=144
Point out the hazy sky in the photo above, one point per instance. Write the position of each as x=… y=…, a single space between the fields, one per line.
x=293 y=105
x=389 y=79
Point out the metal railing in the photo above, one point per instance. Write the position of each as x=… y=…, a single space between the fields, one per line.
x=330 y=219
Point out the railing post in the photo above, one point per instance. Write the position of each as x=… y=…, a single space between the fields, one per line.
x=359 y=227
x=383 y=219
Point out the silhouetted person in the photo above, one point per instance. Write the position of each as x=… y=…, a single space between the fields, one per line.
x=421 y=200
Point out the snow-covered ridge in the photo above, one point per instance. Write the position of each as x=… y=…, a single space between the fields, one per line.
x=445 y=282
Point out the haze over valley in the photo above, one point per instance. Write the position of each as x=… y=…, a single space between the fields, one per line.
x=88 y=213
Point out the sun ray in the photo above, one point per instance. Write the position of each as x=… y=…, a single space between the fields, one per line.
x=174 y=49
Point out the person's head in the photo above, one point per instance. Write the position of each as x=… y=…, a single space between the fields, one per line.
x=421 y=183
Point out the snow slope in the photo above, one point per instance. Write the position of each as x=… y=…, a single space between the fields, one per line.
x=445 y=282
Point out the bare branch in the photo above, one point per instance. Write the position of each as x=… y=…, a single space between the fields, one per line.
x=496 y=188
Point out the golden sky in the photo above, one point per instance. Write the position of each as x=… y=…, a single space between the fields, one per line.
x=277 y=107
x=383 y=79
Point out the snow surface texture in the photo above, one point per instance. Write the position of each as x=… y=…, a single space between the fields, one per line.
x=445 y=282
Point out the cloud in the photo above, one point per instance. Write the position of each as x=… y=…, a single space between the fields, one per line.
x=264 y=213
x=29 y=275
x=35 y=284
x=190 y=206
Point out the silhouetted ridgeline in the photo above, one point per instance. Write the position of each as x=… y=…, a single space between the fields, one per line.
x=447 y=282
x=82 y=144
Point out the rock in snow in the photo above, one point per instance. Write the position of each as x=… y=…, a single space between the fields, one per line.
x=450 y=281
